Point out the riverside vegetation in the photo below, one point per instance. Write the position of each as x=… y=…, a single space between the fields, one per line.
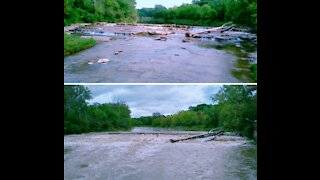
x=234 y=108
x=243 y=13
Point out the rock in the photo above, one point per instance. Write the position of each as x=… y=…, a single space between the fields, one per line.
x=185 y=40
x=103 y=61
x=140 y=33
x=176 y=54
x=161 y=38
x=117 y=52
x=98 y=38
x=183 y=48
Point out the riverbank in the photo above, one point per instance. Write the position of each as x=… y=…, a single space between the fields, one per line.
x=74 y=43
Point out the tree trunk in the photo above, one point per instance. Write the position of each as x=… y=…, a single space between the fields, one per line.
x=221 y=29
x=198 y=136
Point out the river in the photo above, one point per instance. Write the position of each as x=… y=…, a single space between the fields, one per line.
x=152 y=156
x=142 y=59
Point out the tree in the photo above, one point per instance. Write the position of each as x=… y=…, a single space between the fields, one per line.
x=156 y=114
x=74 y=108
x=236 y=104
x=80 y=117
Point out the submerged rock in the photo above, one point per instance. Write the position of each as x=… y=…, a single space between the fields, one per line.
x=161 y=38
x=186 y=40
x=103 y=61
x=117 y=52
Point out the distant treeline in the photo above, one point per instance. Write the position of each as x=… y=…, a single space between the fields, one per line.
x=200 y=12
x=234 y=109
x=204 y=12
x=77 y=11
x=79 y=117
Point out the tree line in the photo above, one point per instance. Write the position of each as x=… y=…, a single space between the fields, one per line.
x=80 y=117
x=234 y=108
x=204 y=12
x=199 y=12
x=77 y=11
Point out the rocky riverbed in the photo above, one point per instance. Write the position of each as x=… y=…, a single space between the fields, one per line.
x=159 y=53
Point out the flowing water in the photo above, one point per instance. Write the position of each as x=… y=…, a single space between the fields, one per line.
x=133 y=156
x=142 y=59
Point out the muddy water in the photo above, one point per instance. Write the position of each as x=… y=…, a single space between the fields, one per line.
x=143 y=59
x=128 y=156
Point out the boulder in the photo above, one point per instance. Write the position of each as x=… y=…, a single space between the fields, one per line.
x=103 y=61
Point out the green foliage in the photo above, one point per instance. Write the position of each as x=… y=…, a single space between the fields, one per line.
x=237 y=108
x=79 y=117
x=76 y=11
x=254 y=71
x=234 y=109
x=74 y=43
x=206 y=12
x=74 y=108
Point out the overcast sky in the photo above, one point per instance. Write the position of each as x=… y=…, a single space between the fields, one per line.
x=144 y=100
x=167 y=3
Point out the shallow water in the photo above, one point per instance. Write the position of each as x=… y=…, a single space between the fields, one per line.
x=145 y=60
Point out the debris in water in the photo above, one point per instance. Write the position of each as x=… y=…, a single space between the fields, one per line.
x=186 y=40
x=161 y=38
x=103 y=61
x=117 y=52
x=91 y=62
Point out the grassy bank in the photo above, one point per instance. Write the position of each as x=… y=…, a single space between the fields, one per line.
x=74 y=43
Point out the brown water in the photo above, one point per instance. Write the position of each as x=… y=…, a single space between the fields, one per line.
x=146 y=60
x=152 y=156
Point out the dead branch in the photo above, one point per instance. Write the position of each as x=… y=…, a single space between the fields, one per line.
x=214 y=137
x=220 y=29
x=210 y=133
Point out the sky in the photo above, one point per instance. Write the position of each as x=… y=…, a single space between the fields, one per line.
x=143 y=100
x=167 y=3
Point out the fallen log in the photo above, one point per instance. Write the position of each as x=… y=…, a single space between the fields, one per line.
x=214 y=137
x=216 y=29
x=228 y=29
x=210 y=133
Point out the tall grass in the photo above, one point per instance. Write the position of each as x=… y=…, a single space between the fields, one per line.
x=74 y=43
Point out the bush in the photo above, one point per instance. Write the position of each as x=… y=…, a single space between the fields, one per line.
x=254 y=71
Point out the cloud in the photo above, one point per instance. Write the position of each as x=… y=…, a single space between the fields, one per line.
x=144 y=100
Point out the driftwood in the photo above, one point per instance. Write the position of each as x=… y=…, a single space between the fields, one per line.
x=222 y=29
x=214 y=137
x=210 y=133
